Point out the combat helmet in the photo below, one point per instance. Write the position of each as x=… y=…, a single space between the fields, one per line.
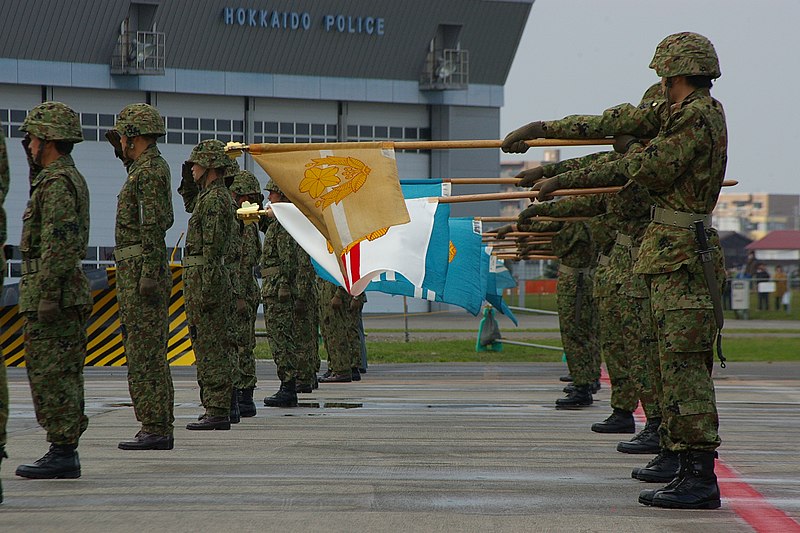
x=210 y=154
x=686 y=54
x=230 y=172
x=273 y=187
x=140 y=119
x=653 y=93
x=245 y=183
x=53 y=121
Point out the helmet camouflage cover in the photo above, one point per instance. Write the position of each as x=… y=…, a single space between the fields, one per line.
x=140 y=119
x=272 y=187
x=53 y=121
x=245 y=183
x=686 y=54
x=653 y=93
x=210 y=154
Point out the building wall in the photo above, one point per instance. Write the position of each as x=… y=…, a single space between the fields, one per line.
x=756 y=214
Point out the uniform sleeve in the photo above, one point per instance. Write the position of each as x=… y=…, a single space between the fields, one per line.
x=602 y=173
x=287 y=260
x=155 y=208
x=643 y=121
x=668 y=155
x=554 y=169
x=578 y=206
x=62 y=247
x=540 y=226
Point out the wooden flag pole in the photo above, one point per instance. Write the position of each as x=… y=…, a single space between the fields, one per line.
x=482 y=181
x=235 y=149
x=514 y=195
x=534 y=219
x=528 y=257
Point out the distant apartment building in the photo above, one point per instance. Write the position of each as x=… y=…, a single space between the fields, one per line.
x=756 y=214
x=511 y=208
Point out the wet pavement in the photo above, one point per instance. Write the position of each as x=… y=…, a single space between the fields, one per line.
x=422 y=447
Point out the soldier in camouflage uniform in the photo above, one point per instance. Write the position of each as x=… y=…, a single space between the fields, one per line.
x=307 y=323
x=280 y=294
x=207 y=281
x=144 y=280
x=5 y=180
x=356 y=330
x=54 y=292
x=683 y=167
x=335 y=324
x=577 y=310
x=245 y=188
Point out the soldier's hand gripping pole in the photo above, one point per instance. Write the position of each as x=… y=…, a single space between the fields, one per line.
x=707 y=260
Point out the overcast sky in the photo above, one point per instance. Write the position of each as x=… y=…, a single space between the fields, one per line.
x=583 y=56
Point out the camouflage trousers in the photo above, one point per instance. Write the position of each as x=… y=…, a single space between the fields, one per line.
x=307 y=327
x=337 y=334
x=578 y=330
x=355 y=335
x=55 y=353
x=282 y=337
x=628 y=346
x=684 y=318
x=145 y=333
x=211 y=342
x=244 y=328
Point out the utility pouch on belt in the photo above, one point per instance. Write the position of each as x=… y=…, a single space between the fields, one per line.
x=707 y=260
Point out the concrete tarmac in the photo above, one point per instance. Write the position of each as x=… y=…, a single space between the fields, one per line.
x=422 y=447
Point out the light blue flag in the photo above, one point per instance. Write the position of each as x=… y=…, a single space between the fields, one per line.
x=465 y=282
x=436 y=257
x=498 y=279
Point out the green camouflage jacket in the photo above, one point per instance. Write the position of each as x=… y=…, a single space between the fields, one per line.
x=251 y=253
x=144 y=210
x=279 y=266
x=55 y=230
x=209 y=235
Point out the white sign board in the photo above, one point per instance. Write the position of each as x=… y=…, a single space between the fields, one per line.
x=740 y=294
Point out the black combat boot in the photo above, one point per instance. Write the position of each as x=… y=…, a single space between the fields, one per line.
x=566 y=379
x=619 y=422
x=355 y=374
x=148 y=441
x=2 y=456
x=247 y=407
x=304 y=387
x=646 y=496
x=646 y=441
x=207 y=422
x=580 y=396
x=285 y=397
x=661 y=469
x=697 y=487
x=235 y=415
x=60 y=462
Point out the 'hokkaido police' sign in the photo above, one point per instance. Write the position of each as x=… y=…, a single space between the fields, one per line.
x=292 y=20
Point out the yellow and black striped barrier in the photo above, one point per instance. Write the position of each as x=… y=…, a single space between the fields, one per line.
x=104 y=346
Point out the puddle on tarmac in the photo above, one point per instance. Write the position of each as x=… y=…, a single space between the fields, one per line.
x=330 y=405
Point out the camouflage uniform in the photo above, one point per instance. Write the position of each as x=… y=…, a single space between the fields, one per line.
x=306 y=321
x=55 y=234
x=335 y=325
x=577 y=311
x=144 y=214
x=279 y=290
x=5 y=179
x=246 y=184
x=207 y=282
x=683 y=167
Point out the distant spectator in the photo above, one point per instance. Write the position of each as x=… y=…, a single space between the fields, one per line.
x=750 y=267
x=781 y=288
x=763 y=297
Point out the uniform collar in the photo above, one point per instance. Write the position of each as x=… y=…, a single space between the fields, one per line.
x=65 y=161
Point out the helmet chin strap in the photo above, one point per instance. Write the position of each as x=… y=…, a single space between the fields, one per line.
x=38 y=157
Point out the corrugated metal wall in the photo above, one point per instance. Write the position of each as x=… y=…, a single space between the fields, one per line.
x=197 y=37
